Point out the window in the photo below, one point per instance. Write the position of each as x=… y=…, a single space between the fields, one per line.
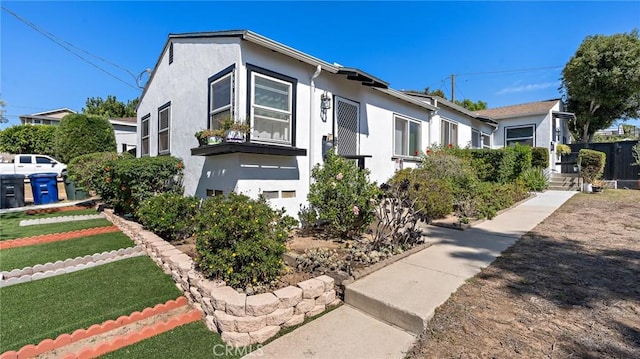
x=449 y=133
x=406 y=139
x=43 y=160
x=272 y=106
x=144 y=151
x=164 y=121
x=522 y=134
x=170 y=53
x=221 y=96
x=25 y=159
x=270 y=194
x=214 y=192
x=479 y=139
x=289 y=194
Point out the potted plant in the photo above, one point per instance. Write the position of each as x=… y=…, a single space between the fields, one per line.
x=209 y=137
x=562 y=149
x=597 y=186
x=591 y=165
x=237 y=132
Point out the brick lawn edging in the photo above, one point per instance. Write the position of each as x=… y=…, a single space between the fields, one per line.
x=241 y=319
x=55 y=237
x=41 y=271
x=31 y=350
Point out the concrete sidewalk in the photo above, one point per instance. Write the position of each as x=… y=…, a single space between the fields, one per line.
x=387 y=309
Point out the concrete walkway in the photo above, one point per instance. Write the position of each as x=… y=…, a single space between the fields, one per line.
x=387 y=309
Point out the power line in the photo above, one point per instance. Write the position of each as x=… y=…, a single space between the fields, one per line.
x=54 y=38
x=508 y=71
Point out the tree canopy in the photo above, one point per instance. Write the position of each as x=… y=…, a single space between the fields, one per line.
x=601 y=82
x=466 y=103
x=110 y=108
x=2 y=118
x=28 y=139
x=80 y=134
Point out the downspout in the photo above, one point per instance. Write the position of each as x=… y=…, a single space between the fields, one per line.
x=311 y=107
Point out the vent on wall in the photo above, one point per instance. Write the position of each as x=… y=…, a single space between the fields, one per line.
x=170 y=53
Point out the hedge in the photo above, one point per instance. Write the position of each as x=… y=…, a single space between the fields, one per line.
x=539 y=157
x=591 y=164
x=80 y=134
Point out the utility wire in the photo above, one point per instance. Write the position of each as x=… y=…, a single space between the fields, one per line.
x=508 y=71
x=56 y=41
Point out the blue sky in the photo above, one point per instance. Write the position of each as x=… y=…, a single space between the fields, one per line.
x=409 y=44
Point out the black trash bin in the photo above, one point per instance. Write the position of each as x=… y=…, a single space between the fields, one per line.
x=44 y=187
x=73 y=192
x=11 y=191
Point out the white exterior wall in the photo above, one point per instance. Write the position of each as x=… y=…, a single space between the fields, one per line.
x=185 y=84
x=465 y=126
x=125 y=135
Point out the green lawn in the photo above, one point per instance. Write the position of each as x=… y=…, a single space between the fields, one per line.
x=9 y=228
x=192 y=341
x=46 y=308
x=21 y=257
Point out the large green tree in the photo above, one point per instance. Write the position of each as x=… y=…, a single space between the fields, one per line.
x=466 y=103
x=80 y=134
x=601 y=82
x=28 y=139
x=110 y=108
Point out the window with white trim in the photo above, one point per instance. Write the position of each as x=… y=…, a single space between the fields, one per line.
x=524 y=135
x=164 y=123
x=271 y=109
x=448 y=133
x=479 y=139
x=406 y=139
x=221 y=96
x=144 y=135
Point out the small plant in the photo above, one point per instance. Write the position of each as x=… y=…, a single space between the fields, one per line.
x=308 y=217
x=169 y=215
x=204 y=135
x=535 y=180
x=321 y=260
x=241 y=240
x=563 y=149
x=225 y=125
x=635 y=151
x=591 y=164
x=342 y=195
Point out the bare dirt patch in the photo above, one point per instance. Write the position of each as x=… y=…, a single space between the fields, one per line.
x=569 y=288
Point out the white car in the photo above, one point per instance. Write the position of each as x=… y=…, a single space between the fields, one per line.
x=29 y=164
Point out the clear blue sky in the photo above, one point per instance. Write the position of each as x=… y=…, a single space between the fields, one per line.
x=409 y=44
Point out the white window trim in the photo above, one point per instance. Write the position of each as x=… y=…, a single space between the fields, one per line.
x=168 y=150
x=482 y=135
x=450 y=122
x=407 y=120
x=146 y=119
x=215 y=111
x=532 y=137
x=255 y=74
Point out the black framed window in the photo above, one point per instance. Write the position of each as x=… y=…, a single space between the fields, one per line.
x=144 y=135
x=221 y=97
x=164 y=124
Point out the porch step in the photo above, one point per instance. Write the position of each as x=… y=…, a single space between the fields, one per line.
x=564 y=182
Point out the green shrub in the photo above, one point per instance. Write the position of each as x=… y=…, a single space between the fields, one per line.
x=535 y=180
x=432 y=198
x=493 y=197
x=28 y=139
x=88 y=171
x=539 y=157
x=522 y=160
x=133 y=180
x=591 y=164
x=80 y=134
x=169 y=215
x=241 y=240
x=452 y=165
x=342 y=195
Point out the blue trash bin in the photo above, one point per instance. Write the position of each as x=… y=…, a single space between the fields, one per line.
x=44 y=187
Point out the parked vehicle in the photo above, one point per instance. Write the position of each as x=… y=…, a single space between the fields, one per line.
x=28 y=164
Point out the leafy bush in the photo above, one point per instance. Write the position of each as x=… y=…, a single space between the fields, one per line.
x=535 y=180
x=241 y=240
x=591 y=164
x=539 y=157
x=88 y=171
x=342 y=195
x=522 y=160
x=431 y=198
x=82 y=134
x=133 y=180
x=28 y=139
x=169 y=215
x=493 y=197
x=451 y=164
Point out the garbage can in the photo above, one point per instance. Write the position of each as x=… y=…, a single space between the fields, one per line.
x=73 y=192
x=44 y=187
x=11 y=191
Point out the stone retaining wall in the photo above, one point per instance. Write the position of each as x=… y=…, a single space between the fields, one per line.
x=241 y=319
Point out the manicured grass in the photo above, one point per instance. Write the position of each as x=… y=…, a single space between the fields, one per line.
x=18 y=216
x=13 y=231
x=21 y=257
x=192 y=341
x=46 y=308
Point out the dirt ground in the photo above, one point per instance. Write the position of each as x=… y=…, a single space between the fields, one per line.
x=568 y=289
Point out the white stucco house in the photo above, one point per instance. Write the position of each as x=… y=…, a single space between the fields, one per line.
x=297 y=107
x=538 y=124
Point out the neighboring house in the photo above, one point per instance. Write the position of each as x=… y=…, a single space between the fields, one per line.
x=455 y=125
x=297 y=105
x=124 y=127
x=539 y=124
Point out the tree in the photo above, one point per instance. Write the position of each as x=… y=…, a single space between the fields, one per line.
x=110 y=108
x=601 y=82
x=80 y=134
x=472 y=106
x=2 y=110
x=28 y=139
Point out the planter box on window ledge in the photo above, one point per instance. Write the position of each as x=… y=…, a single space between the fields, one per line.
x=235 y=136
